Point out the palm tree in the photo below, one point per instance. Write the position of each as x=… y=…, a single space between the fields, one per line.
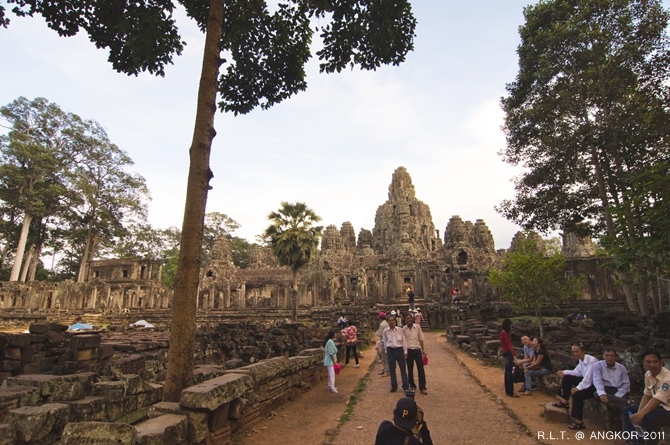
x=293 y=240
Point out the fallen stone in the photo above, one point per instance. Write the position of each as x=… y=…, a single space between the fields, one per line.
x=168 y=429
x=213 y=393
x=98 y=433
x=33 y=423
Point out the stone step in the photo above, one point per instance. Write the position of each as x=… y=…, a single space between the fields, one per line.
x=168 y=429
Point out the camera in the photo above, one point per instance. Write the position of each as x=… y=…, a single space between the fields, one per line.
x=410 y=393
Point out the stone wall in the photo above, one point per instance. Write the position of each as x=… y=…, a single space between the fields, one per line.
x=88 y=387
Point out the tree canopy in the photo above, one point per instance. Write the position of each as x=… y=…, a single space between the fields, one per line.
x=252 y=57
x=531 y=279
x=293 y=238
x=588 y=111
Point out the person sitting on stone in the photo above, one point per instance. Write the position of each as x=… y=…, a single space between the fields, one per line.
x=610 y=383
x=653 y=411
x=541 y=366
x=342 y=322
x=528 y=357
x=408 y=426
x=578 y=379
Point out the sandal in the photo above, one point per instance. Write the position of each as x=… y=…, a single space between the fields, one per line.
x=512 y=395
x=526 y=393
x=576 y=426
x=561 y=405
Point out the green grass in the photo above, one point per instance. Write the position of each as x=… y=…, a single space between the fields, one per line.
x=353 y=399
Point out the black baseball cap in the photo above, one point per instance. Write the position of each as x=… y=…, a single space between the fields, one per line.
x=405 y=412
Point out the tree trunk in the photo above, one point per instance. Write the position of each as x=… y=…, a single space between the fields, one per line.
x=538 y=315
x=655 y=287
x=20 y=248
x=294 y=296
x=642 y=300
x=81 y=276
x=26 y=263
x=182 y=335
x=32 y=270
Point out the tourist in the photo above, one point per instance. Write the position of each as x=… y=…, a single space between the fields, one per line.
x=408 y=426
x=415 y=353
x=329 y=360
x=610 y=383
x=528 y=353
x=351 y=339
x=381 y=348
x=653 y=411
x=418 y=316
x=541 y=366
x=399 y=317
x=508 y=355
x=396 y=353
x=410 y=298
x=456 y=296
x=342 y=322
x=579 y=379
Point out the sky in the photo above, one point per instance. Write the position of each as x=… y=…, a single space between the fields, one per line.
x=334 y=146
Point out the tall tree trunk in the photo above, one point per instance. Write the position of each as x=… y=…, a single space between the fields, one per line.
x=86 y=255
x=32 y=270
x=294 y=296
x=20 y=248
x=182 y=335
x=26 y=263
x=642 y=298
x=655 y=287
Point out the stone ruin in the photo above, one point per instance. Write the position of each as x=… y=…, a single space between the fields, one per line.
x=73 y=388
x=378 y=266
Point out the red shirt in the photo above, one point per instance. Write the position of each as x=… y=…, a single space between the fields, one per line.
x=506 y=342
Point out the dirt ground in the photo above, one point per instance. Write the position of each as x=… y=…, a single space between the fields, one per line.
x=465 y=404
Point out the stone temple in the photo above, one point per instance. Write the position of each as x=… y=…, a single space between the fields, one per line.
x=403 y=250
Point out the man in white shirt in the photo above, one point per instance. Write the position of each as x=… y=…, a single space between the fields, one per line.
x=578 y=379
x=653 y=412
x=396 y=352
x=415 y=352
x=381 y=348
x=610 y=383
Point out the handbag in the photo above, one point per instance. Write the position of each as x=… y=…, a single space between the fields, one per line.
x=425 y=360
x=337 y=368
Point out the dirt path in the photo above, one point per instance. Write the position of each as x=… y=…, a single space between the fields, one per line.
x=465 y=405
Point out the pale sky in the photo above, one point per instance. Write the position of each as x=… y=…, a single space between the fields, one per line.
x=334 y=146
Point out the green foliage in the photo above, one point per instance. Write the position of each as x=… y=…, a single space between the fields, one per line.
x=291 y=236
x=530 y=280
x=241 y=249
x=589 y=105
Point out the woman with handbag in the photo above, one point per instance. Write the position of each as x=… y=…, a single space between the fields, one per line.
x=330 y=360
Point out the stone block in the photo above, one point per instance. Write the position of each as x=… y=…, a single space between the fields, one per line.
x=87 y=409
x=160 y=408
x=49 y=383
x=219 y=418
x=67 y=391
x=41 y=328
x=556 y=414
x=16 y=397
x=213 y=393
x=197 y=426
x=11 y=353
x=34 y=423
x=85 y=341
x=98 y=433
x=86 y=354
x=133 y=364
x=7 y=435
x=606 y=416
x=168 y=429
x=134 y=384
x=132 y=417
x=267 y=370
x=55 y=339
x=17 y=340
x=154 y=395
x=112 y=391
x=10 y=365
x=220 y=437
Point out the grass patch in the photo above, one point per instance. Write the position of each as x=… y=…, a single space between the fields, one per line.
x=353 y=399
